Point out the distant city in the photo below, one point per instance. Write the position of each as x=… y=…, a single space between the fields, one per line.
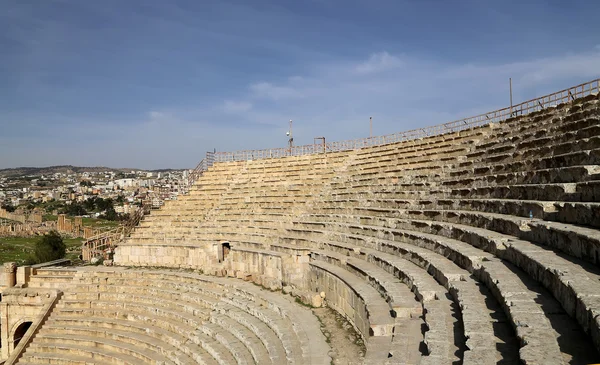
x=30 y=188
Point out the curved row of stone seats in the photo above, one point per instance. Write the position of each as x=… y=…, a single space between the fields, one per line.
x=421 y=144
x=153 y=222
x=528 y=317
x=524 y=256
x=461 y=211
x=550 y=170
x=583 y=214
x=238 y=191
x=268 y=217
x=313 y=349
x=573 y=282
x=213 y=350
x=128 y=302
x=564 y=117
x=365 y=308
x=482 y=176
x=475 y=157
x=565 y=167
x=419 y=271
x=586 y=190
x=581 y=140
x=401 y=160
x=576 y=241
x=380 y=291
x=573 y=145
x=539 y=137
x=382 y=309
x=226 y=227
x=116 y=316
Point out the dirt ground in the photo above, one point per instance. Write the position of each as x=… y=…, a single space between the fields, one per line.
x=347 y=347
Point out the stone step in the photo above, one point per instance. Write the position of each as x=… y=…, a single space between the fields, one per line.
x=421 y=255
x=427 y=290
x=254 y=343
x=127 y=345
x=574 y=192
x=282 y=327
x=269 y=338
x=480 y=318
x=377 y=319
x=94 y=354
x=580 y=242
x=399 y=297
x=169 y=341
x=58 y=359
x=575 y=297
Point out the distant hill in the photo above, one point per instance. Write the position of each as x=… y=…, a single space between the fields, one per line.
x=165 y=170
x=66 y=169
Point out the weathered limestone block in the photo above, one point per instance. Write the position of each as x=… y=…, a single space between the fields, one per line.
x=317 y=301
x=10 y=278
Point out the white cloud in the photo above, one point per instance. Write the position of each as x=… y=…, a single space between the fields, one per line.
x=233 y=107
x=274 y=92
x=379 y=62
x=583 y=65
x=403 y=93
x=156 y=115
x=332 y=100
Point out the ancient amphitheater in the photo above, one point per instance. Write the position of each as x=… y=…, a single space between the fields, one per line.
x=474 y=242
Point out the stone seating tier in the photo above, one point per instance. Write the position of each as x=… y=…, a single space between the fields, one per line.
x=502 y=280
x=445 y=215
x=534 y=260
x=583 y=214
x=179 y=328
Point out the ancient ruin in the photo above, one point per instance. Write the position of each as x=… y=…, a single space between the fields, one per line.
x=472 y=242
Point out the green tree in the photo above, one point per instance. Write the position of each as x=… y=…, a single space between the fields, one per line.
x=110 y=215
x=49 y=247
x=90 y=203
x=104 y=204
x=9 y=208
x=75 y=209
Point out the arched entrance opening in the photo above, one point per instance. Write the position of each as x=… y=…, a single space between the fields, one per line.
x=20 y=332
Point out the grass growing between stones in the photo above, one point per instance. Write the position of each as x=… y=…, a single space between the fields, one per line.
x=297 y=300
x=347 y=346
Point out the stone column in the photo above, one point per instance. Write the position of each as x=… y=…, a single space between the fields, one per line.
x=78 y=226
x=23 y=275
x=10 y=274
x=37 y=217
x=60 y=224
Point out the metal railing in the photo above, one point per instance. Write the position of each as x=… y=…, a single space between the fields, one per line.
x=495 y=116
x=98 y=244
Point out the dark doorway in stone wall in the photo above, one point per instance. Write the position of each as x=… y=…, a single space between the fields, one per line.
x=226 y=248
x=223 y=251
x=20 y=332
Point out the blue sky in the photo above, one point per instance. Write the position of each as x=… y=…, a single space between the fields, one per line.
x=156 y=84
